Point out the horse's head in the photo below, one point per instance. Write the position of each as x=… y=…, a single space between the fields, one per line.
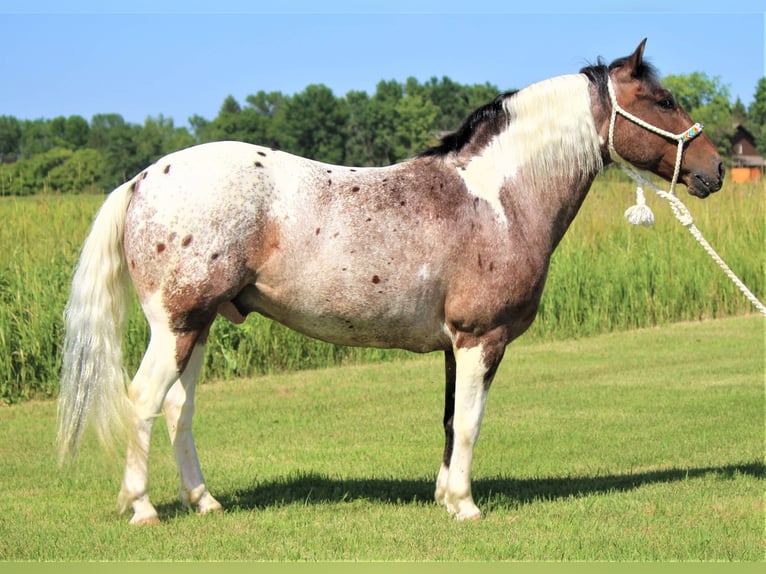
x=648 y=129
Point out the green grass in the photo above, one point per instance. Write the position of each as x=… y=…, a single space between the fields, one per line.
x=644 y=445
x=605 y=276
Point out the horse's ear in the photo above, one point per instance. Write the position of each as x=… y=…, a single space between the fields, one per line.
x=633 y=64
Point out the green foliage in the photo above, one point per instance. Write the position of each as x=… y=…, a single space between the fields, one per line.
x=315 y=125
x=10 y=137
x=757 y=116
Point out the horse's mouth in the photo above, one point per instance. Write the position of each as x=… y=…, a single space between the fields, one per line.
x=702 y=186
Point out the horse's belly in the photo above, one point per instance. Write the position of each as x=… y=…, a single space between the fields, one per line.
x=404 y=320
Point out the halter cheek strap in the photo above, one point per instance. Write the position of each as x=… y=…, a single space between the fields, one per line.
x=681 y=138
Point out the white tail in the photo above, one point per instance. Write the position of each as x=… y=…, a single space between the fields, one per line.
x=93 y=378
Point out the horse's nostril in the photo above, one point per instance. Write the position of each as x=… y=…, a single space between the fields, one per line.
x=721 y=170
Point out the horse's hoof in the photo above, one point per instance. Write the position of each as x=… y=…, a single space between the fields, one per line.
x=209 y=505
x=464 y=510
x=144 y=521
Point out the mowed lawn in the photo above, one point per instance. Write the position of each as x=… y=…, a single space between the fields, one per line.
x=638 y=446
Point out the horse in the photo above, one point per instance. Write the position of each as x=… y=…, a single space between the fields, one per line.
x=446 y=252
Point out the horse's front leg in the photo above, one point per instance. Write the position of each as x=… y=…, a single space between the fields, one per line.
x=469 y=374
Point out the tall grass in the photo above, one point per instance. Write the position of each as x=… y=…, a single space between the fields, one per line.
x=606 y=275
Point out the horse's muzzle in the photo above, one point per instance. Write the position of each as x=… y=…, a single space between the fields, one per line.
x=702 y=184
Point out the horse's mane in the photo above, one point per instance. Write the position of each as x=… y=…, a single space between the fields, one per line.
x=455 y=141
x=597 y=74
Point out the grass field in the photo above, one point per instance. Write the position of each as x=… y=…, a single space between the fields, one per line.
x=605 y=276
x=644 y=445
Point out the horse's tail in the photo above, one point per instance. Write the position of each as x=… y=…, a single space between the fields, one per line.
x=93 y=379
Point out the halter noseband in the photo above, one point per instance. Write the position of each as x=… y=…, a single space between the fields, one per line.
x=681 y=138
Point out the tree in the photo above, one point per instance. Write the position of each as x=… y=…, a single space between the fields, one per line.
x=360 y=130
x=707 y=101
x=36 y=138
x=454 y=101
x=80 y=172
x=71 y=133
x=315 y=124
x=757 y=115
x=158 y=137
x=10 y=137
x=382 y=121
x=415 y=122
x=116 y=139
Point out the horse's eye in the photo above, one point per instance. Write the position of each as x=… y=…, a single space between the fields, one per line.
x=667 y=103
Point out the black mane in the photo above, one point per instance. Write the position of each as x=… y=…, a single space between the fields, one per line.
x=597 y=74
x=457 y=140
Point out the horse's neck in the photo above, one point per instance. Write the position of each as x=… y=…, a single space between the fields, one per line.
x=540 y=167
x=547 y=208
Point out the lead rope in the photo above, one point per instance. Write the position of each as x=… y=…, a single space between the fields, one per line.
x=641 y=214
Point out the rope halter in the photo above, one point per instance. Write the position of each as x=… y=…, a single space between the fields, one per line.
x=641 y=214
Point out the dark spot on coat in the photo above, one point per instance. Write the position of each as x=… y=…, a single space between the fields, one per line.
x=352 y=170
x=160 y=247
x=317 y=231
x=402 y=203
x=215 y=256
x=143 y=175
x=368 y=219
x=355 y=188
x=329 y=182
x=375 y=279
x=258 y=164
x=132 y=263
x=186 y=240
x=329 y=171
x=262 y=154
x=167 y=169
x=480 y=263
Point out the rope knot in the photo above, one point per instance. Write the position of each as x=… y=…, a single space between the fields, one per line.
x=640 y=214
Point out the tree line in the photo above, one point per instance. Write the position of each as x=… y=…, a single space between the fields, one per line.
x=73 y=155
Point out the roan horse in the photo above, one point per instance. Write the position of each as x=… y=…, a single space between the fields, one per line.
x=448 y=252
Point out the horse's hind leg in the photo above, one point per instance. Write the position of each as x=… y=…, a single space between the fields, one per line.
x=167 y=354
x=179 y=410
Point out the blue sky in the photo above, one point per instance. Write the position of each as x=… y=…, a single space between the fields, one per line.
x=146 y=58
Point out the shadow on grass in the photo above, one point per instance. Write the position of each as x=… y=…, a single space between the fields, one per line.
x=495 y=493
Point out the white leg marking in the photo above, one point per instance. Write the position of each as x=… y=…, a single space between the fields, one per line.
x=470 y=398
x=147 y=392
x=179 y=410
x=441 y=485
